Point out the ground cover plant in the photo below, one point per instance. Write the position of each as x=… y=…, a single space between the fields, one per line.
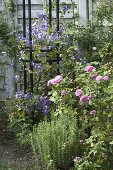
x=68 y=119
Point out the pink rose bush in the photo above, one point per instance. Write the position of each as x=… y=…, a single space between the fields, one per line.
x=89 y=99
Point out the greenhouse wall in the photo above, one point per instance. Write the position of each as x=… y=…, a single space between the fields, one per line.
x=7 y=73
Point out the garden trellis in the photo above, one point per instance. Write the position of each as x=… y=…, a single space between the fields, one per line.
x=37 y=7
x=30 y=40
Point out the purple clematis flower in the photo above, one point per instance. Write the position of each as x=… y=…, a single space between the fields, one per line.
x=19 y=95
x=27 y=96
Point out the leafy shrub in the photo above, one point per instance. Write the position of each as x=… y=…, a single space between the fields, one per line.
x=56 y=142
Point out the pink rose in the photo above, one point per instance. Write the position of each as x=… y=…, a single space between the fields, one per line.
x=89 y=69
x=93 y=76
x=84 y=99
x=105 y=78
x=98 y=78
x=56 y=80
x=50 y=82
x=64 y=92
x=78 y=92
x=92 y=112
x=90 y=97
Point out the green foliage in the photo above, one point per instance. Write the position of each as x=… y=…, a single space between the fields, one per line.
x=10 y=6
x=98 y=33
x=8 y=30
x=55 y=142
x=8 y=42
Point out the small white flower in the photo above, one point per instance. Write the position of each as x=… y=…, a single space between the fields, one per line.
x=72 y=58
x=94 y=48
x=105 y=23
x=60 y=55
x=3 y=52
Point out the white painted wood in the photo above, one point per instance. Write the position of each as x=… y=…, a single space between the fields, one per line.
x=9 y=79
x=32 y=1
x=1 y=5
x=34 y=7
x=67 y=15
x=82 y=11
x=63 y=1
x=90 y=9
x=68 y=1
x=34 y=13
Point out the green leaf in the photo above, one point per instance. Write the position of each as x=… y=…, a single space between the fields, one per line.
x=54 y=94
x=38 y=49
x=26 y=56
x=110 y=115
x=49 y=164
